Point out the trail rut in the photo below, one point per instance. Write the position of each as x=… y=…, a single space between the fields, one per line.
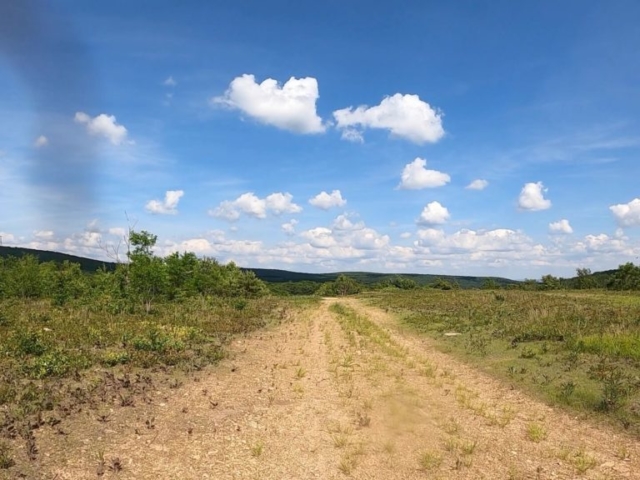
x=322 y=397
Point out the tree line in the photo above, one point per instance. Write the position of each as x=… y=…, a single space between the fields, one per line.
x=139 y=283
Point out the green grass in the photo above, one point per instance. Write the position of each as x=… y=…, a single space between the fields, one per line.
x=577 y=349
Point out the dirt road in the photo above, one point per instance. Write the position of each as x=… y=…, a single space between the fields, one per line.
x=323 y=397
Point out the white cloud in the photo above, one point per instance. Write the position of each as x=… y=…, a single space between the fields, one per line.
x=7 y=238
x=248 y=203
x=406 y=235
x=326 y=200
x=117 y=232
x=104 y=126
x=532 y=197
x=498 y=240
x=342 y=222
x=477 y=184
x=319 y=237
x=280 y=203
x=289 y=107
x=561 y=226
x=627 y=214
x=170 y=82
x=290 y=227
x=43 y=234
x=405 y=116
x=168 y=206
x=434 y=214
x=41 y=141
x=415 y=176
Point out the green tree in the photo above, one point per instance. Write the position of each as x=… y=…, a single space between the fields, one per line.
x=627 y=277
x=549 y=282
x=584 y=279
x=147 y=275
x=490 y=284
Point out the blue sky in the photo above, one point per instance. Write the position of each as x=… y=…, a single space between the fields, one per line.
x=453 y=138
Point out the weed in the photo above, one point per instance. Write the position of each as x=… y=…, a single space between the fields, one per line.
x=617 y=386
x=566 y=390
x=347 y=464
x=300 y=372
x=536 y=432
x=257 y=449
x=5 y=457
x=340 y=440
x=429 y=460
x=467 y=448
x=389 y=447
x=582 y=461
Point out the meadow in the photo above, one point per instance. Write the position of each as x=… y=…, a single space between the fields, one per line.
x=576 y=349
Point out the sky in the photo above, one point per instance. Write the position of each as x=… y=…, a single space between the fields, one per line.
x=469 y=138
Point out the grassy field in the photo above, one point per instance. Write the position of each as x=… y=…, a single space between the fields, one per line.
x=577 y=349
x=57 y=360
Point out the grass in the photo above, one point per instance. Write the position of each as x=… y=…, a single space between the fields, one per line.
x=536 y=432
x=429 y=461
x=257 y=449
x=575 y=349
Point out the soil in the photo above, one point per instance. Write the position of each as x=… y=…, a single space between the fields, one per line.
x=308 y=400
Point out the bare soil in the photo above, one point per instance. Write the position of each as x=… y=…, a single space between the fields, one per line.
x=308 y=399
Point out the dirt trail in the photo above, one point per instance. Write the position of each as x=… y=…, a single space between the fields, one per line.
x=319 y=398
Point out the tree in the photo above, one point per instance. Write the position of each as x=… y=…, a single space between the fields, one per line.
x=627 y=277
x=584 y=279
x=490 y=284
x=341 y=286
x=549 y=282
x=147 y=273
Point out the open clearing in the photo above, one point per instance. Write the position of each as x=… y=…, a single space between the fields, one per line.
x=340 y=392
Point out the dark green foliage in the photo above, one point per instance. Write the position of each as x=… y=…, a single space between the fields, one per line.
x=442 y=284
x=627 y=277
x=342 y=286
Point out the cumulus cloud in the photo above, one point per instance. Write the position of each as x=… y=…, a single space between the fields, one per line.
x=170 y=82
x=168 y=206
x=249 y=204
x=434 y=214
x=532 y=197
x=561 y=226
x=342 y=222
x=290 y=227
x=405 y=116
x=41 y=141
x=291 y=106
x=477 y=184
x=319 y=237
x=415 y=176
x=627 y=214
x=103 y=126
x=7 y=238
x=325 y=200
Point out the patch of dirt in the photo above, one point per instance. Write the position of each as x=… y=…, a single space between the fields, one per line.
x=315 y=398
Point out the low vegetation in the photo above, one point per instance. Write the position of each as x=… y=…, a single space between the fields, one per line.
x=71 y=340
x=580 y=349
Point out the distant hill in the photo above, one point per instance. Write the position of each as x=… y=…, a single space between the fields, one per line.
x=368 y=278
x=268 y=274
x=87 y=264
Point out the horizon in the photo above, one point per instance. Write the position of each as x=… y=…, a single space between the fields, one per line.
x=324 y=138
x=346 y=272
